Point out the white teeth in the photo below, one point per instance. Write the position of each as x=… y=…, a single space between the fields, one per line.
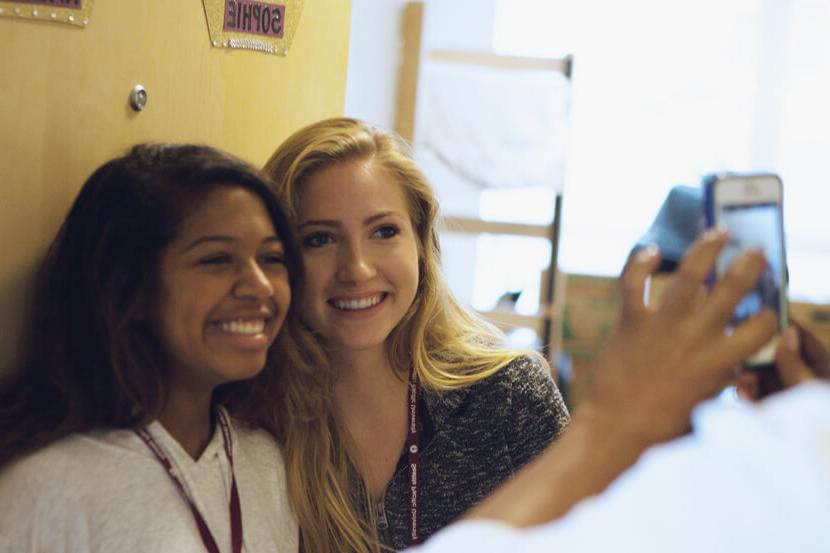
x=354 y=305
x=242 y=326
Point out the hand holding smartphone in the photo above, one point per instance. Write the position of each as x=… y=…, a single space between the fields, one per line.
x=749 y=207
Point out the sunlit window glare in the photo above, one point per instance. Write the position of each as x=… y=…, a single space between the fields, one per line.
x=665 y=92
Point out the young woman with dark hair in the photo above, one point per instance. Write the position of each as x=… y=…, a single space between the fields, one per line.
x=134 y=420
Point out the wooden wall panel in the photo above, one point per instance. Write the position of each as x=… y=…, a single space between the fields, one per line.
x=64 y=108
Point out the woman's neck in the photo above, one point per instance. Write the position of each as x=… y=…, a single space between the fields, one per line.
x=366 y=379
x=370 y=400
x=187 y=418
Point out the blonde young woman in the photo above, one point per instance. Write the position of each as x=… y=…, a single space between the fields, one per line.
x=415 y=409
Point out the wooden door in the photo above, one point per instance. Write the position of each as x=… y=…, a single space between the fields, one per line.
x=64 y=108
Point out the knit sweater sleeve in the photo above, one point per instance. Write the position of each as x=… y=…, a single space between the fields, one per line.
x=537 y=412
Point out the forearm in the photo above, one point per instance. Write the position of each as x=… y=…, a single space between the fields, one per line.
x=587 y=457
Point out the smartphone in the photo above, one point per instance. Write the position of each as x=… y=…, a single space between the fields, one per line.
x=749 y=207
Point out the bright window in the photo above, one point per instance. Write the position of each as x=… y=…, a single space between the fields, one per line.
x=664 y=92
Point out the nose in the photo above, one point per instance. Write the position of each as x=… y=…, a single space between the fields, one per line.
x=252 y=282
x=355 y=264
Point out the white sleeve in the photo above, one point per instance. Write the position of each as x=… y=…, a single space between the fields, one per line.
x=749 y=479
x=481 y=536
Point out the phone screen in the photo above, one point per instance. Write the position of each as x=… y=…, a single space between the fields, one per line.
x=755 y=226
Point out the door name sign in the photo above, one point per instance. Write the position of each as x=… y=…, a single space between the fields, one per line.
x=263 y=25
x=73 y=12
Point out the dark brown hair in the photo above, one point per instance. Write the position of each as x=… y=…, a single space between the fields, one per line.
x=91 y=359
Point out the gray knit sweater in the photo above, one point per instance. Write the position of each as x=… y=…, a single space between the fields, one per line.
x=475 y=438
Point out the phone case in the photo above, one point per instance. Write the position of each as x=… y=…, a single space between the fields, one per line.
x=709 y=183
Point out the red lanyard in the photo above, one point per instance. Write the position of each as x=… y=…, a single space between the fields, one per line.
x=235 y=510
x=414 y=459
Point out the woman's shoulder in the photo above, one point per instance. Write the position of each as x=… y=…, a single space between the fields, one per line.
x=40 y=496
x=523 y=371
x=527 y=392
x=63 y=459
x=525 y=378
x=528 y=366
x=254 y=436
x=55 y=477
x=260 y=445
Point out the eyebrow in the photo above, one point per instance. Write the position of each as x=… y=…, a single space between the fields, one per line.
x=333 y=223
x=222 y=239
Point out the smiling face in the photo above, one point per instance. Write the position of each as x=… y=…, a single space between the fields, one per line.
x=360 y=254
x=223 y=291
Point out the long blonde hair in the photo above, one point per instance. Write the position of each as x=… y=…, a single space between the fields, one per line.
x=448 y=346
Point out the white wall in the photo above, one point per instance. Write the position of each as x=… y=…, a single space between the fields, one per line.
x=375 y=48
x=371 y=93
x=374 y=60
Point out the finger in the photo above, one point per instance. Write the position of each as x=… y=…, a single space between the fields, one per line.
x=791 y=367
x=729 y=350
x=694 y=268
x=739 y=279
x=813 y=351
x=633 y=280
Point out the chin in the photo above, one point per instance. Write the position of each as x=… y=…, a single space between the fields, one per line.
x=241 y=371
x=241 y=378
x=348 y=343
